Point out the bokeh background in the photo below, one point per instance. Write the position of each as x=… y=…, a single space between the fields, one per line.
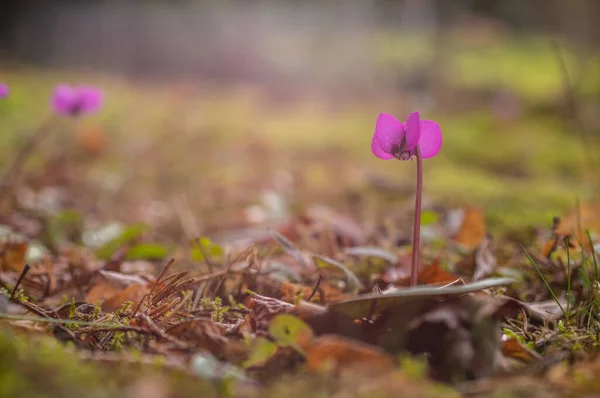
x=231 y=112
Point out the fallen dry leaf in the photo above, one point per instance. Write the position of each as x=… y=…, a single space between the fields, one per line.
x=112 y=289
x=485 y=261
x=431 y=275
x=336 y=353
x=513 y=349
x=13 y=255
x=471 y=228
x=204 y=332
x=574 y=224
x=134 y=293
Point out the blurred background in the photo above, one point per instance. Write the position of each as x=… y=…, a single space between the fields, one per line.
x=226 y=109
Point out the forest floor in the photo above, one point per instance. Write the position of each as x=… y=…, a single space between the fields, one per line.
x=230 y=242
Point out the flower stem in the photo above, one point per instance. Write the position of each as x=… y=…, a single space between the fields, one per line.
x=15 y=167
x=414 y=270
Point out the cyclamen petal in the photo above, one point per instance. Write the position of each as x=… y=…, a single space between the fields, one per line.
x=388 y=131
x=63 y=99
x=378 y=151
x=69 y=100
x=413 y=130
x=4 y=91
x=90 y=99
x=431 y=138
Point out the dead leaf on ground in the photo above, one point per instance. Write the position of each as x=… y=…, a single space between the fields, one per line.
x=431 y=275
x=204 y=333
x=513 y=349
x=342 y=224
x=468 y=227
x=549 y=311
x=262 y=311
x=112 y=289
x=574 y=224
x=485 y=260
x=372 y=303
x=336 y=353
x=13 y=255
x=134 y=293
x=92 y=139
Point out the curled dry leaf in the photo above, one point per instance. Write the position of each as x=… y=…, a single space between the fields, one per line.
x=548 y=311
x=485 y=261
x=366 y=304
x=13 y=255
x=134 y=293
x=431 y=275
x=205 y=333
x=112 y=289
x=336 y=353
x=469 y=227
x=513 y=349
x=574 y=224
x=342 y=224
x=262 y=311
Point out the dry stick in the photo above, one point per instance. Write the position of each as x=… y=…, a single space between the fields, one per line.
x=161 y=333
x=230 y=265
x=315 y=288
x=19 y=160
x=414 y=270
x=23 y=273
x=162 y=272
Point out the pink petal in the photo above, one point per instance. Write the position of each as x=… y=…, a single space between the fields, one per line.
x=90 y=99
x=377 y=151
x=389 y=131
x=63 y=98
x=413 y=130
x=431 y=138
x=4 y=91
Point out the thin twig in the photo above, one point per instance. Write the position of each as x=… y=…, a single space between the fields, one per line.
x=23 y=273
x=162 y=272
x=316 y=287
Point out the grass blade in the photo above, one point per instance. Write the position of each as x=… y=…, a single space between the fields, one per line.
x=544 y=280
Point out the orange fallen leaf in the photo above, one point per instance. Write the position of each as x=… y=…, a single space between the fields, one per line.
x=472 y=229
x=587 y=216
x=92 y=139
x=513 y=349
x=134 y=293
x=112 y=289
x=12 y=256
x=334 y=353
x=431 y=275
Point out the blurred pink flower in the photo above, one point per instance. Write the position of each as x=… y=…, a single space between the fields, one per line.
x=4 y=91
x=76 y=100
x=394 y=139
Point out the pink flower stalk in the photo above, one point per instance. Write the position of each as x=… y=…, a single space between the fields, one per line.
x=76 y=100
x=4 y=91
x=419 y=138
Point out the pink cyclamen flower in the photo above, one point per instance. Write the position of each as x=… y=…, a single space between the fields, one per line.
x=76 y=100
x=4 y=91
x=394 y=139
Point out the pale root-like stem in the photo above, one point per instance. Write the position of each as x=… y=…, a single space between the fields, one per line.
x=414 y=269
x=14 y=169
